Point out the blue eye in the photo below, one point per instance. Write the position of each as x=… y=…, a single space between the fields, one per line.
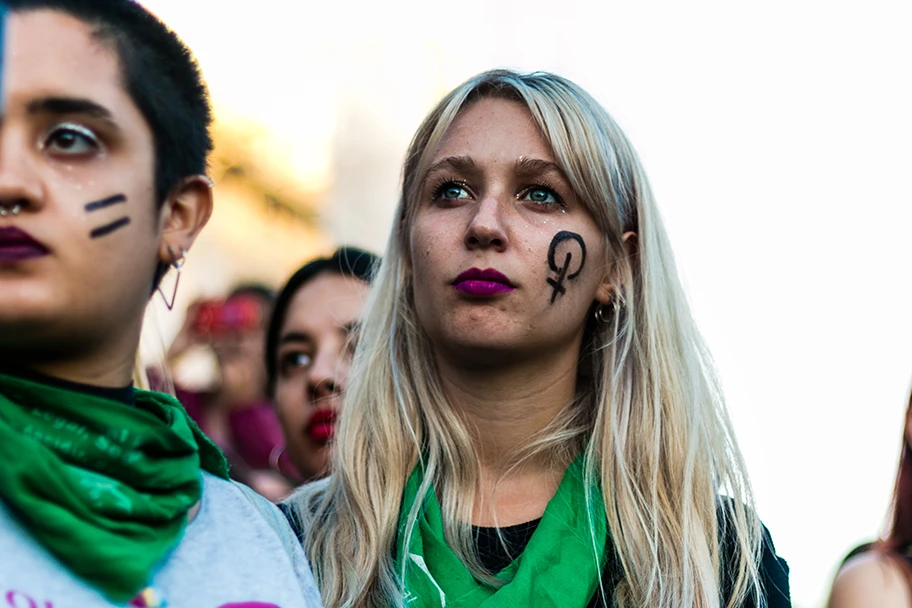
x=451 y=191
x=70 y=139
x=542 y=196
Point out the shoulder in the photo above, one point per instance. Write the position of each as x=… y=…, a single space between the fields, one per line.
x=301 y=508
x=249 y=516
x=238 y=502
x=308 y=498
x=265 y=524
x=871 y=579
x=773 y=570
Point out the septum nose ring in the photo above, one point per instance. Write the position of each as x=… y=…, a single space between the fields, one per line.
x=14 y=210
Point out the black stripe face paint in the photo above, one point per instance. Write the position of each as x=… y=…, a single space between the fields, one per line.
x=573 y=249
x=106 y=202
x=110 y=227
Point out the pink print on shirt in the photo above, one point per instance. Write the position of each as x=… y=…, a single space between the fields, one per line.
x=15 y=599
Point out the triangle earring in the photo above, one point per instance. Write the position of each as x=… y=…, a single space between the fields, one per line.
x=177 y=264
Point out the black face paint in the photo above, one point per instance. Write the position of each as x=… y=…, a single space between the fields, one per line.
x=109 y=228
x=563 y=272
x=106 y=202
x=112 y=226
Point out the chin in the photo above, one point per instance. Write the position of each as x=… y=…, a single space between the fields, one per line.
x=481 y=351
x=27 y=316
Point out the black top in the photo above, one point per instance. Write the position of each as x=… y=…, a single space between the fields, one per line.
x=495 y=556
x=122 y=394
x=498 y=551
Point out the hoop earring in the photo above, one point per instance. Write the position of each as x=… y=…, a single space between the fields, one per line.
x=177 y=264
x=600 y=315
x=274 y=455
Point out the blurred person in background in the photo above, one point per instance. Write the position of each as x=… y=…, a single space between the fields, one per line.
x=880 y=573
x=309 y=345
x=236 y=411
x=110 y=495
x=531 y=417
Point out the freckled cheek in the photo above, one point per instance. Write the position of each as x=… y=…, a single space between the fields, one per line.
x=424 y=261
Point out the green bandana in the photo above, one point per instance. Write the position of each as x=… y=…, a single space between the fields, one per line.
x=557 y=568
x=104 y=486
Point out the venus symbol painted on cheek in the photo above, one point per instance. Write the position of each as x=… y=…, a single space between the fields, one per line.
x=110 y=227
x=568 y=243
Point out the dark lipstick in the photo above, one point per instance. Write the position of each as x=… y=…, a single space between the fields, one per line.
x=17 y=245
x=322 y=426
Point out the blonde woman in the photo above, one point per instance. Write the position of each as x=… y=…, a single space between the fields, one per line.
x=531 y=418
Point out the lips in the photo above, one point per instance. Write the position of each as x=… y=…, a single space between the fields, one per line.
x=17 y=245
x=321 y=426
x=482 y=283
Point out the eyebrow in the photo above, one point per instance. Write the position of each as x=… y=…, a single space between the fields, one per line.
x=524 y=166
x=536 y=166
x=294 y=337
x=462 y=164
x=70 y=105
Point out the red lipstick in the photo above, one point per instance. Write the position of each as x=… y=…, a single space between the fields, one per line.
x=482 y=283
x=17 y=245
x=322 y=426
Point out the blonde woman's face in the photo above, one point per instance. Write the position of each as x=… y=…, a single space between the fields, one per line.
x=505 y=258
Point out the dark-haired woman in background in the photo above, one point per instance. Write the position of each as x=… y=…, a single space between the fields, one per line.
x=235 y=410
x=880 y=573
x=309 y=346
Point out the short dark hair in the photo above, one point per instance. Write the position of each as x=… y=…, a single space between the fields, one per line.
x=346 y=261
x=159 y=74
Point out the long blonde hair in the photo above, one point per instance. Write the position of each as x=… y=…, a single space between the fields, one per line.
x=648 y=412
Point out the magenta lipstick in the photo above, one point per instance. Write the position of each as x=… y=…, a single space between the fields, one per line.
x=482 y=283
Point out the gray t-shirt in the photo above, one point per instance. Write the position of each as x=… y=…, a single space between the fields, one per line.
x=231 y=556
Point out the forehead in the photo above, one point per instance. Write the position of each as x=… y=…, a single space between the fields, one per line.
x=49 y=53
x=494 y=130
x=326 y=302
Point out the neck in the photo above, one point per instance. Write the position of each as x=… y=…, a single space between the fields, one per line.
x=101 y=367
x=505 y=408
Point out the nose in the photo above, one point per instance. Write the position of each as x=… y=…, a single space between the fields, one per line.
x=486 y=226
x=20 y=185
x=323 y=379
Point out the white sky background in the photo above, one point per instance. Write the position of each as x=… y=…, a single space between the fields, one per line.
x=777 y=138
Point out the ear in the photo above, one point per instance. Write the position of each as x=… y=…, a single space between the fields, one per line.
x=185 y=212
x=605 y=291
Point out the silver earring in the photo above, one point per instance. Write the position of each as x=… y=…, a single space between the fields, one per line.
x=177 y=264
x=600 y=315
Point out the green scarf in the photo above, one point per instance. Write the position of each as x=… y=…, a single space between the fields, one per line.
x=104 y=486
x=557 y=568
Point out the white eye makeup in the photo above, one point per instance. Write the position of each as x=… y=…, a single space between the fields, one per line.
x=70 y=140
